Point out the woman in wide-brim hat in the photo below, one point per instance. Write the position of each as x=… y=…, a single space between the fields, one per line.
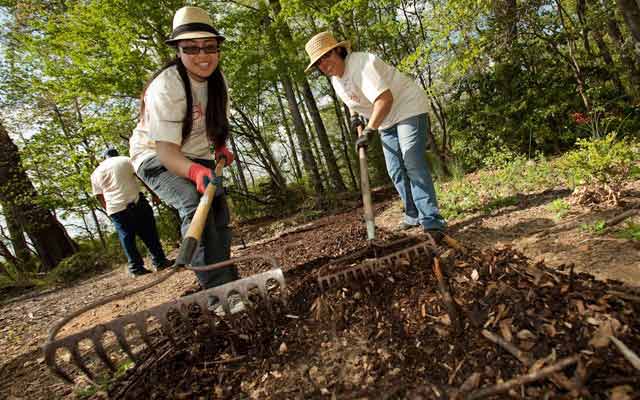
x=183 y=127
x=396 y=106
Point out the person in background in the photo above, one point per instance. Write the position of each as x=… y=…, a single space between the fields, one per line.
x=183 y=126
x=116 y=187
x=396 y=107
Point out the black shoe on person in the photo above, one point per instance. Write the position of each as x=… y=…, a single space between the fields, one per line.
x=139 y=272
x=166 y=264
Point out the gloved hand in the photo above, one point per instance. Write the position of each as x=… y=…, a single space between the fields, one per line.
x=367 y=135
x=200 y=175
x=356 y=121
x=223 y=151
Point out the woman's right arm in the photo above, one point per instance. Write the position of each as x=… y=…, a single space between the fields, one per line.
x=172 y=158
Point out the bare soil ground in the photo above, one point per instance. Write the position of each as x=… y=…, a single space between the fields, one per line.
x=374 y=343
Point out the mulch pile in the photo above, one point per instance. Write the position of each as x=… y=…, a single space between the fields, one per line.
x=494 y=325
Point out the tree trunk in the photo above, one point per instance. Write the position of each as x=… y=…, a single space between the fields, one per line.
x=312 y=138
x=49 y=238
x=608 y=61
x=325 y=145
x=241 y=177
x=310 y=165
x=18 y=241
x=630 y=10
x=347 y=144
x=627 y=60
x=294 y=155
x=94 y=216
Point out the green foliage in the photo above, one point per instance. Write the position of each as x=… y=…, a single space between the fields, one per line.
x=631 y=231
x=496 y=187
x=603 y=161
x=596 y=228
x=89 y=260
x=560 y=207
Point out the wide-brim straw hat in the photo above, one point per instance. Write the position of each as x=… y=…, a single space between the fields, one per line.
x=321 y=44
x=192 y=23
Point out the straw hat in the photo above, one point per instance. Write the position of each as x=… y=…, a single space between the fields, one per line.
x=321 y=44
x=192 y=23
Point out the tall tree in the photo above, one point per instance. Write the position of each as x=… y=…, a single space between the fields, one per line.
x=50 y=239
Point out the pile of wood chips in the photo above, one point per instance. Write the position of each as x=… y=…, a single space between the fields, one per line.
x=465 y=324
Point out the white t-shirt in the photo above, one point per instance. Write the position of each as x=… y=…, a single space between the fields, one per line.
x=366 y=77
x=165 y=106
x=115 y=179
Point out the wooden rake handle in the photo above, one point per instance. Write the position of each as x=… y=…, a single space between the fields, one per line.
x=192 y=237
x=366 y=190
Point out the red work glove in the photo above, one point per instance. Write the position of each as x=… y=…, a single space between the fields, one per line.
x=223 y=151
x=200 y=175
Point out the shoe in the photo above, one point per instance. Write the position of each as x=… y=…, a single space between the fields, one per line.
x=403 y=226
x=139 y=272
x=435 y=234
x=166 y=264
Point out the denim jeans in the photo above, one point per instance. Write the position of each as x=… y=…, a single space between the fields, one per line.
x=137 y=219
x=404 y=147
x=181 y=194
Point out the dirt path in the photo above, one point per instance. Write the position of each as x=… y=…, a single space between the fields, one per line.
x=528 y=226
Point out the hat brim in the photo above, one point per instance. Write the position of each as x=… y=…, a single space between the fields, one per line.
x=194 y=35
x=345 y=43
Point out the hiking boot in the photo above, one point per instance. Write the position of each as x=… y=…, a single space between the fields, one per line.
x=166 y=264
x=139 y=272
x=435 y=235
x=403 y=226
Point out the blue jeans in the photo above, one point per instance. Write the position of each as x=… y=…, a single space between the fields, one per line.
x=181 y=194
x=137 y=219
x=404 y=147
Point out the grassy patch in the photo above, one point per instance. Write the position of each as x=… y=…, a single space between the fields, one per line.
x=631 y=231
x=507 y=175
x=560 y=208
x=595 y=228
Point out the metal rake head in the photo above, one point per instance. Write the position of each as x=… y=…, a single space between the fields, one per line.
x=211 y=303
x=369 y=267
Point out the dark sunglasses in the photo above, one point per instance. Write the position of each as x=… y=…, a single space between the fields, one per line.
x=211 y=49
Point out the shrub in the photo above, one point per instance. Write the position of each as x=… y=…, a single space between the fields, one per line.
x=604 y=162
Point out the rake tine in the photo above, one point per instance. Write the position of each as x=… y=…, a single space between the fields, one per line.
x=142 y=329
x=77 y=360
x=50 y=359
x=102 y=354
x=122 y=340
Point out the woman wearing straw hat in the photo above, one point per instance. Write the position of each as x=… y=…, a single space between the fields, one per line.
x=183 y=122
x=396 y=107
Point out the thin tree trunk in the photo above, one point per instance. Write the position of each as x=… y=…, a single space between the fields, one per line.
x=313 y=138
x=325 y=145
x=309 y=162
x=294 y=155
x=94 y=216
x=241 y=177
x=608 y=61
x=344 y=132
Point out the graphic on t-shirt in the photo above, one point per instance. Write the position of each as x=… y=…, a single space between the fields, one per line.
x=197 y=112
x=349 y=91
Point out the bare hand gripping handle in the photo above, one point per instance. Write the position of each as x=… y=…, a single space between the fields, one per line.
x=191 y=239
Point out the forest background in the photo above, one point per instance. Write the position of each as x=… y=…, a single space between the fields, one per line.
x=506 y=80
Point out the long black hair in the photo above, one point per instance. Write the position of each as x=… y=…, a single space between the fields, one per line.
x=216 y=121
